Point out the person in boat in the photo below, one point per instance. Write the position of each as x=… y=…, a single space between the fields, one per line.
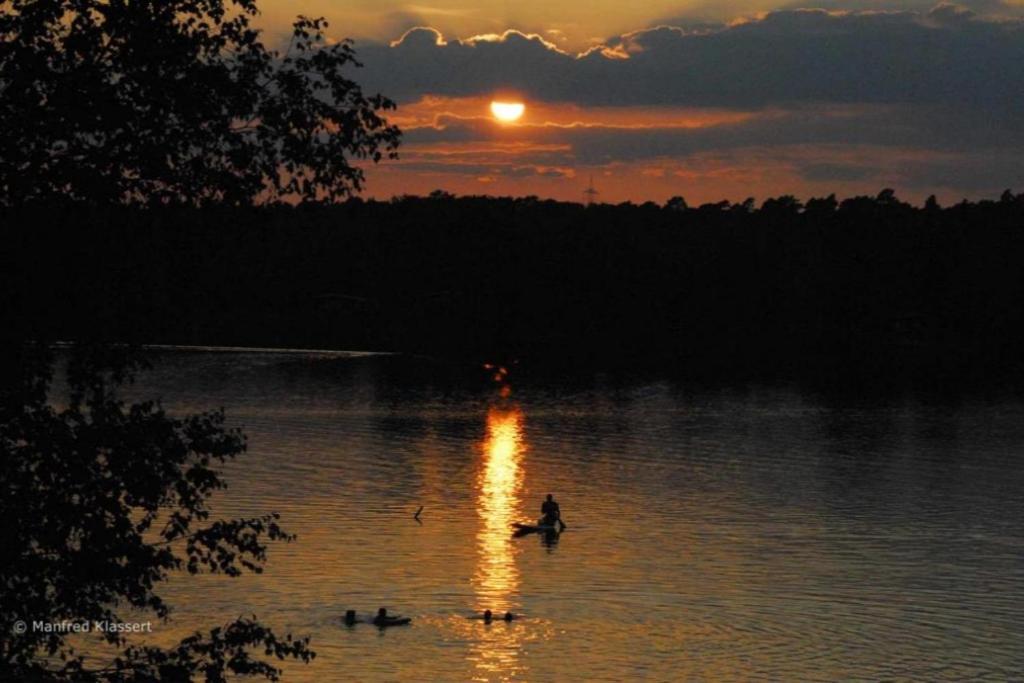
x=509 y=616
x=551 y=514
x=382 y=619
x=350 y=618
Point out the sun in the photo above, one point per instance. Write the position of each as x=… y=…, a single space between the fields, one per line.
x=507 y=112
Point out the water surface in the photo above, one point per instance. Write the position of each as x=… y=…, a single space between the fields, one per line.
x=714 y=534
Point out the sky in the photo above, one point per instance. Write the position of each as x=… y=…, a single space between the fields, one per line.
x=706 y=100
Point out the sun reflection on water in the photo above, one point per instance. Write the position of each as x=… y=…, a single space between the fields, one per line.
x=497 y=578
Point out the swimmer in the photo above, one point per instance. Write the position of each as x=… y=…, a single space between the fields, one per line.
x=487 y=616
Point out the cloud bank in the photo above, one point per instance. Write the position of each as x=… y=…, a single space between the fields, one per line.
x=946 y=55
x=931 y=99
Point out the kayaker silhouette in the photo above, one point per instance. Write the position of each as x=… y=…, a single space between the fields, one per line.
x=551 y=513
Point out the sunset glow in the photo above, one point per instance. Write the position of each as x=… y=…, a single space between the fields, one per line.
x=507 y=112
x=498 y=486
x=642 y=101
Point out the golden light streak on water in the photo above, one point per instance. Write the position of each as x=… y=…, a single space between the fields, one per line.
x=497 y=578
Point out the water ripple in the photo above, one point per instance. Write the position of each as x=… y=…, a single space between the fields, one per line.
x=713 y=534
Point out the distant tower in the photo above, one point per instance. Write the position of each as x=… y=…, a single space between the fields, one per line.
x=590 y=192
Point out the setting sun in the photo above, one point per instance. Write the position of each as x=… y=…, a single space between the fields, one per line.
x=507 y=111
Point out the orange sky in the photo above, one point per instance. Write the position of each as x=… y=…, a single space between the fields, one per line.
x=504 y=158
x=708 y=100
x=534 y=157
x=571 y=24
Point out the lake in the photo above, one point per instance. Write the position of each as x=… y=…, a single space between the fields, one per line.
x=735 y=533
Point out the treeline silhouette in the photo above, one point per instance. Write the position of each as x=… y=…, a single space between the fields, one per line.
x=869 y=287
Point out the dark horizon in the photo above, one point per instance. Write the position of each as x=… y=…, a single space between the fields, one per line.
x=870 y=285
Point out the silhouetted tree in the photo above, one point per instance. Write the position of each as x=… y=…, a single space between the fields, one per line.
x=100 y=502
x=817 y=206
x=715 y=207
x=717 y=291
x=177 y=101
x=746 y=206
x=676 y=203
x=887 y=197
x=784 y=205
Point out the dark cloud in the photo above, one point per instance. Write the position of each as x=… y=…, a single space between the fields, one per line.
x=829 y=171
x=934 y=128
x=508 y=169
x=984 y=175
x=986 y=8
x=948 y=14
x=946 y=55
x=924 y=100
x=911 y=147
x=422 y=63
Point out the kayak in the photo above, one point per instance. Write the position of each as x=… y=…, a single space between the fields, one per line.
x=535 y=528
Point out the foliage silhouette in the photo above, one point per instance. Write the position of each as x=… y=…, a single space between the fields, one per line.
x=177 y=102
x=868 y=286
x=101 y=501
